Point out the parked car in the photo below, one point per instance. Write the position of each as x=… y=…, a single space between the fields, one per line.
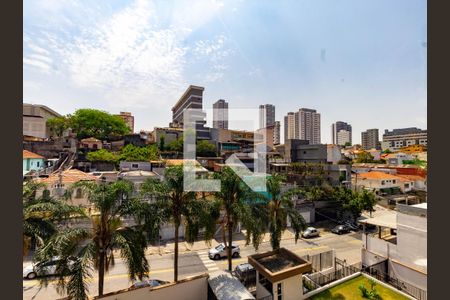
x=245 y=272
x=310 y=232
x=149 y=283
x=221 y=251
x=340 y=229
x=352 y=225
x=46 y=268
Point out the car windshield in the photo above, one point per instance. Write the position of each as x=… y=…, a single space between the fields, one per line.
x=219 y=247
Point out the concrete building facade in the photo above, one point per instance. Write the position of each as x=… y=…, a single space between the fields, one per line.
x=220 y=114
x=34 y=117
x=370 y=139
x=303 y=124
x=128 y=118
x=336 y=128
x=276 y=133
x=403 y=137
x=266 y=115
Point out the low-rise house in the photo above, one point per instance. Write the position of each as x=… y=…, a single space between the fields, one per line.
x=32 y=162
x=398 y=249
x=91 y=143
x=58 y=184
x=381 y=182
x=397 y=158
x=418 y=182
x=137 y=177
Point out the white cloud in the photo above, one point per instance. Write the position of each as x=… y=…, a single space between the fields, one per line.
x=127 y=56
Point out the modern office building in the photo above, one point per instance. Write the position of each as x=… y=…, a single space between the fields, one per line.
x=276 y=132
x=192 y=98
x=128 y=118
x=220 y=114
x=266 y=115
x=336 y=128
x=303 y=125
x=370 y=140
x=34 y=117
x=404 y=137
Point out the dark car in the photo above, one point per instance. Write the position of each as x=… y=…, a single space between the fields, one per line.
x=245 y=272
x=149 y=283
x=340 y=229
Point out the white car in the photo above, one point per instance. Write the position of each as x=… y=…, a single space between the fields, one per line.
x=310 y=232
x=221 y=251
x=48 y=268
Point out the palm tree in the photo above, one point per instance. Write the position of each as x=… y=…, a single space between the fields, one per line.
x=173 y=204
x=82 y=249
x=41 y=215
x=280 y=208
x=239 y=204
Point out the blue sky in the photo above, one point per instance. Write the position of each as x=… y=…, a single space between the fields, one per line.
x=362 y=62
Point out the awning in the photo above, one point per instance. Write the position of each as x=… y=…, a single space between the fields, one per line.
x=227 y=287
x=386 y=219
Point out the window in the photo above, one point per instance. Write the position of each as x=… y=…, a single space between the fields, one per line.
x=78 y=193
x=382 y=182
x=46 y=193
x=393 y=181
x=279 y=291
x=94 y=146
x=134 y=166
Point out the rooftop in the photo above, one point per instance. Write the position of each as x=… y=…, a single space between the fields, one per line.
x=279 y=264
x=377 y=175
x=68 y=176
x=29 y=154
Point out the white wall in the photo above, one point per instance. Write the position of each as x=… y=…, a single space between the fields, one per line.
x=291 y=288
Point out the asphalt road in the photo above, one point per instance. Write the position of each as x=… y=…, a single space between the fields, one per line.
x=347 y=246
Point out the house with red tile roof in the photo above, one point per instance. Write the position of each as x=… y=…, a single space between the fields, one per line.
x=58 y=184
x=382 y=182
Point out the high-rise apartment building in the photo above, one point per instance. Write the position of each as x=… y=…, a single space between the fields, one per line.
x=276 y=133
x=220 y=114
x=303 y=124
x=343 y=137
x=266 y=115
x=370 y=140
x=128 y=118
x=338 y=126
x=289 y=126
x=192 y=98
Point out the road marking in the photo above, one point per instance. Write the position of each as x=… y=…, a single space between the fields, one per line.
x=207 y=262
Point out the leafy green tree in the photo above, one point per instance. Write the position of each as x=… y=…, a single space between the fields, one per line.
x=102 y=155
x=239 y=204
x=58 y=125
x=82 y=249
x=364 y=157
x=42 y=214
x=280 y=208
x=135 y=153
x=162 y=143
x=347 y=144
x=96 y=123
x=176 y=145
x=206 y=149
x=367 y=201
x=176 y=205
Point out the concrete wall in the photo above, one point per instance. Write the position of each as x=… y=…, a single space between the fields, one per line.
x=130 y=165
x=33 y=126
x=291 y=288
x=185 y=290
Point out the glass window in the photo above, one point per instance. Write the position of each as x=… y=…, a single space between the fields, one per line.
x=279 y=291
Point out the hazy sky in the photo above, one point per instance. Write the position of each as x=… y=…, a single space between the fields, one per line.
x=362 y=62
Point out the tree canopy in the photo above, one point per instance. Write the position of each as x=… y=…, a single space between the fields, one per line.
x=364 y=157
x=88 y=122
x=135 y=153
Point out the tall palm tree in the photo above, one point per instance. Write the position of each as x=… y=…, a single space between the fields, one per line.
x=41 y=215
x=82 y=249
x=178 y=206
x=280 y=208
x=239 y=204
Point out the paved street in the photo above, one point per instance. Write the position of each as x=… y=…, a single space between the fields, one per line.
x=196 y=261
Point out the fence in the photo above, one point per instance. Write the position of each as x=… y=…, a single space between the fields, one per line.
x=395 y=282
x=320 y=261
x=341 y=270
